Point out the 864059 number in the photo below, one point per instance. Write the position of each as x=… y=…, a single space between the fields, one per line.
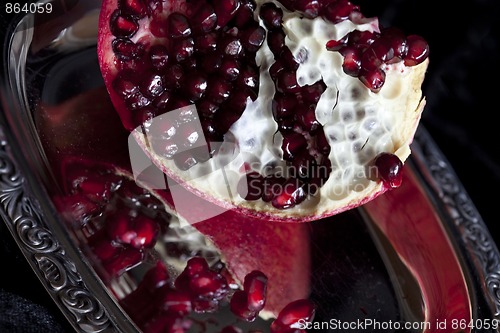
x=33 y=8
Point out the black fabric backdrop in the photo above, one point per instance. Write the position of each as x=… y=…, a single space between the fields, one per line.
x=461 y=88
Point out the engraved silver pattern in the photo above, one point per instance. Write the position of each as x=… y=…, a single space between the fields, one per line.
x=23 y=218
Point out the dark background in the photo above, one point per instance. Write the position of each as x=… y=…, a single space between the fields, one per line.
x=461 y=88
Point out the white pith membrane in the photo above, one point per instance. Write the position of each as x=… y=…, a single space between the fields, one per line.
x=359 y=124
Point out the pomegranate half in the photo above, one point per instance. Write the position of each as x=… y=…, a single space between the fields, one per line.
x=286 y=111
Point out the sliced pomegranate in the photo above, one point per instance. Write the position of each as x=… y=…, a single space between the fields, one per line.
x=308 y=91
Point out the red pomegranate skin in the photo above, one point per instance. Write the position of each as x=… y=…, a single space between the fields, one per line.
x=420 y=241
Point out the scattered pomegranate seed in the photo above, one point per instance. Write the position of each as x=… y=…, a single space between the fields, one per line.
x=389 y=168
x=292 y=314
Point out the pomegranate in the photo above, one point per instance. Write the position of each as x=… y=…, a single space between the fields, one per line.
x=288 y=102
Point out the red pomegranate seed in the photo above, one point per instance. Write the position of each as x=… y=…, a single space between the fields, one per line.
x=374 y=80
x=239 y=306
x=225 y=10
x=127 y=50
x=158 y=55
x=255 y=285
x=272 y=186
x=105 y=250
x=276 y=41
x=147 y=231
x=155 y=278
x=418 y=50
x=338 y=11
x=287 y=82
x=120 y=228
x=122 y=25
x=389 y=168
x=292 y=144
x=124 y=260
x=292 y=314
x=178 y=26
x=352 y=60
x=194 y=266
x=272 y=16
x=208 y=284
x=203 y=19
x=309 y=7
x=177 y=302
x=292 y=193
x=183 y=49
x=361 y=39
x=253 y=38
x=335 y=45
x=135 y=7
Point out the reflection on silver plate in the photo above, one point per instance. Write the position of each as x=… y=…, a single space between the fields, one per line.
x=54 y=253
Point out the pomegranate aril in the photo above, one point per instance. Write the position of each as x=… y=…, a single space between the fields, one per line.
x=178 y=25
x=158 y=55
x=309 y=7
x=204 y=19
x=361 y=39
x=244 y=16
x=338 y=11
x=174 y=75
x=395 y=39
x=287 y=82
x=125 y=49
x=229 y=69
x=239 y=306
x=276 y=41
x=288 y=59
x=255 y=285
x=195 y=85
x=183 y=49
x=206 y=43
x=352 y=60
x=283 y=106
x=307 y=119
x=208 y=284
x=119 y=228
x=335 y=45
x=126 y=259
x=105 y=250
x=418 y=50
x=122 y=25
x=389 y=169
x=134 y=7
x=225 y=10
x=153 y=85
x=253 y=38
x=271 y=15
x=272 y=186
x=374 y=80
x=155 y=278
x=147 y=231
x=232 y=46
x=248 y=77
x=177 y=302
x=292 y=193
x=218 y=90
x=294 y=313
x=292 y=144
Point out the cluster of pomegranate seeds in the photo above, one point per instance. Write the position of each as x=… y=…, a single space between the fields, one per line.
x=204 y=54
x=162 y=304
x=365 y=53
x=389 y=169
x=304 y=146
x=206 y=288
x=121 y=220
x=291 y=317
x=247 y=303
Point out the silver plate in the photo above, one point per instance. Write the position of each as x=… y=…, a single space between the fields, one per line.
x=54 y=253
